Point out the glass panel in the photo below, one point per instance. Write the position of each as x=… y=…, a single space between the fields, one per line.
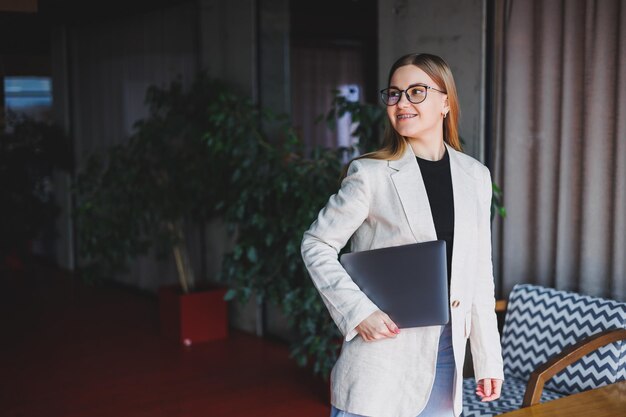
x=417 y=93
x=28 y=95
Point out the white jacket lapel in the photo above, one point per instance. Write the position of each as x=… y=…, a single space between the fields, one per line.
x=411 y=190
x=412 y=193
x=465 y=211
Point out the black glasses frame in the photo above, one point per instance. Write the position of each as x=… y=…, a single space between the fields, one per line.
x=406 y=93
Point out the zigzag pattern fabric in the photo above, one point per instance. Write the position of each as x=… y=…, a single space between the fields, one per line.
x=511 y=398
x=540 y=322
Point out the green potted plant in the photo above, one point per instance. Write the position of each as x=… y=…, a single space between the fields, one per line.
x=139 y=196
x=278 y=199
x=30 y=152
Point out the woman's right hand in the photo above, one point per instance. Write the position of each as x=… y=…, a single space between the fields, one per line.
x=377 y=326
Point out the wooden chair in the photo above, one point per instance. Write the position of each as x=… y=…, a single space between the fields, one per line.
x=554 y=343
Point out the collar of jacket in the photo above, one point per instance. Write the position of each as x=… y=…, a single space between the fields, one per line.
x=409 y=184
x=408 y=160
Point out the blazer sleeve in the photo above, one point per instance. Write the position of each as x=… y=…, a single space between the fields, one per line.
x=336 y=222
x=484 y=336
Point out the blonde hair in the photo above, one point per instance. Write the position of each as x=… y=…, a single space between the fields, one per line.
x=395 y=145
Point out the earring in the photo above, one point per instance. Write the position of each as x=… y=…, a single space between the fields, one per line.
x=444 y=115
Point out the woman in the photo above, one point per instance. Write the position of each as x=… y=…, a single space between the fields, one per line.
x=418 y=187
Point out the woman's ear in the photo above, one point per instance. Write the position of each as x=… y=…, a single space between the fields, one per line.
x=446 y=106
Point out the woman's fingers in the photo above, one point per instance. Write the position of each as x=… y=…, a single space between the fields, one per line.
x=377 y=326
x=381 y=331
x=496 y=388
x=489 y=389
x=387 y=328
x=391 y=326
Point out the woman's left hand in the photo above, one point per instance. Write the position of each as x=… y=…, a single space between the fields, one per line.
x=488 y=389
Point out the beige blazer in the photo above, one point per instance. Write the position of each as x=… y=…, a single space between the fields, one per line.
x=384 y=203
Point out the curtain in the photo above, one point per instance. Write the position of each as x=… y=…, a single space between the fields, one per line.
x=560 y=148
x=112 y=62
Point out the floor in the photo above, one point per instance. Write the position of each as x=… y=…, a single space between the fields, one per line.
x=71 y=350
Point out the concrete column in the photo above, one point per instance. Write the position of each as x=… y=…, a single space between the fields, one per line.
x=228 y=50
x=247 y=43
x=274 y=94
x=227 y=42
x=64 y=225
x=274 y=56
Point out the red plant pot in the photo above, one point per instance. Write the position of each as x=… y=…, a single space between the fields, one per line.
x=197 y=317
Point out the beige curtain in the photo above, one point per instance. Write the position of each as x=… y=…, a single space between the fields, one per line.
x=561 y=145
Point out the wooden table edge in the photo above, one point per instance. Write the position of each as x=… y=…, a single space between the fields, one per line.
x=586 y=403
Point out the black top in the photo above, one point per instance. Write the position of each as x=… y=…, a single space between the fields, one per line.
x=438 y=182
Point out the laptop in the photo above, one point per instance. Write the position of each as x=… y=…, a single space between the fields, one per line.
x=408 y=282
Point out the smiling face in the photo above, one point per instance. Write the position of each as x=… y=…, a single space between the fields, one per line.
x=423 y=121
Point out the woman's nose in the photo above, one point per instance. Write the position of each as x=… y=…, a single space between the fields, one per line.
x=403 y=102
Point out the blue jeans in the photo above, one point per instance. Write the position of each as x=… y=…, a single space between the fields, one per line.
x=440 y=403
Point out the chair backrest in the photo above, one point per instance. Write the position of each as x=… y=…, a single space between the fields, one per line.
x=541 y=321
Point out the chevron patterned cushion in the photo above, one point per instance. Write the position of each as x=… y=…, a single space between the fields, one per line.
x=511 y=398
x=541 y=321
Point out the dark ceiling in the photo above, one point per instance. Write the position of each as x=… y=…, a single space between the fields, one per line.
x=29 y=33
x=334 y=20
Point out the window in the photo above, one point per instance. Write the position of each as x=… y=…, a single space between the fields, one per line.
x=30 y=96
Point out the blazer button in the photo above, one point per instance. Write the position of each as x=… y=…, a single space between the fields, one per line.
x=456 y=303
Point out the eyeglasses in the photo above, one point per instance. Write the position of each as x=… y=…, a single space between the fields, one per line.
x=415 y=93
